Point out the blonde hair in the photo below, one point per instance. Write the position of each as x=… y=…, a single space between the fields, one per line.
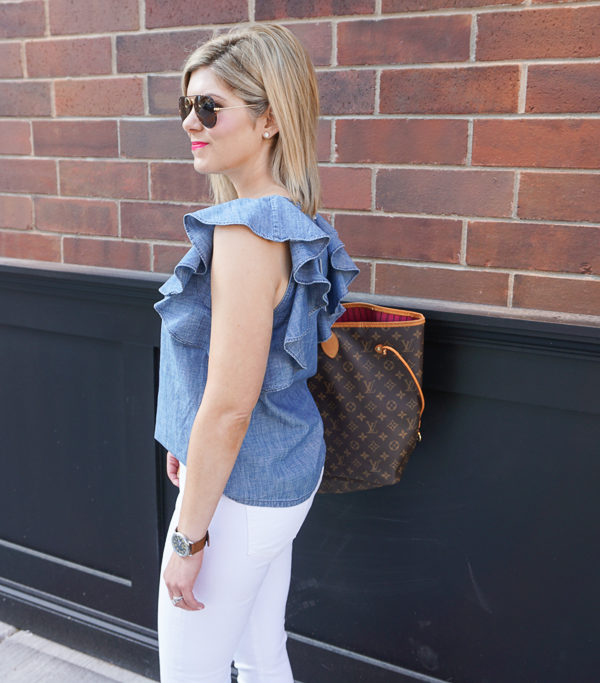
x=265 y=65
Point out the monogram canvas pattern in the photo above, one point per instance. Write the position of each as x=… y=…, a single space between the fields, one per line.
x=369 y=404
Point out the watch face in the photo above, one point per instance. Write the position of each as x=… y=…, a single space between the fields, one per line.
x=180 y=545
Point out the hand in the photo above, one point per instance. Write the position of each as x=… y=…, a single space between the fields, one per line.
x=180 y=575
x=173 y=469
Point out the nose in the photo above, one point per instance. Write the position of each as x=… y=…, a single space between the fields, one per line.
x=191 y=122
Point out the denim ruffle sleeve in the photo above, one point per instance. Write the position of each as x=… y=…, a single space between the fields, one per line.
x=321 y=270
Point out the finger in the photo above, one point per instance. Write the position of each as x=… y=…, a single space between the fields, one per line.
x=190 y=600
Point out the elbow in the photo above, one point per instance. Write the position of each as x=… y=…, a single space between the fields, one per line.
x=231 y=417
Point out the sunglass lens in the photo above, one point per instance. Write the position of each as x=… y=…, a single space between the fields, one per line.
x=205 y=111
x=185 y=107
x=203 y=106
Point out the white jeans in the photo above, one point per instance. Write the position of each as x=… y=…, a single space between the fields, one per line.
x=243 y=583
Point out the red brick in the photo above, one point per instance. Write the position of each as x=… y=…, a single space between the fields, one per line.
x=73 y=57
x=163 y=92
x=324 y=140
x=532 y=246
x=106 y=253
x=346 y=188
x=20 y=19
x=422 y=5
x=120 y=179
x=567 y=295
x=151 y=52
x=538 y=34
x=347 y=92
x=93 y=16
x=167 y=256
x=558 y=143
x=25 y=99
x=413 y=40
x=154 y=220
x=33 y=176
x=402 y=141
x=164 y=139
x=283 y=9
x=479 y=89
x=174 y=182
x=99 y=97
x=27 y=245
x=81 y=216
x=446 y=192
x=420 y=239
x=16 y=212
x=15 y=137
x=75 y=138
x=444 y=284
x=316 y=38
x=563 y=88
x=560 y=196
x=362 y=282
x=185 y=13
x=10 y=60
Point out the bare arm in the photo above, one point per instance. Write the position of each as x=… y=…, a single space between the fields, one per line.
x=246 y=277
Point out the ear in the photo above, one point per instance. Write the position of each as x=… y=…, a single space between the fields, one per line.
x=270 y=124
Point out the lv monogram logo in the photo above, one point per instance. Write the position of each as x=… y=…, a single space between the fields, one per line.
x=370 y=387
x=371 y=426
x=408 y=345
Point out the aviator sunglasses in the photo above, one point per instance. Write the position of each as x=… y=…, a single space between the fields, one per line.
x=205 y=108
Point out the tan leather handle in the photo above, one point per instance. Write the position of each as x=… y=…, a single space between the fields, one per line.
x=380 y=348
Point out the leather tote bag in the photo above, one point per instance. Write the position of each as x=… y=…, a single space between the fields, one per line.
x=368 y=391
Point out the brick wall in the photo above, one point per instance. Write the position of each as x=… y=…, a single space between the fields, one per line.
x=459 y=141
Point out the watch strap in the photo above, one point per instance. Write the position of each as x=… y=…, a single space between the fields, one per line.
x=197 y=546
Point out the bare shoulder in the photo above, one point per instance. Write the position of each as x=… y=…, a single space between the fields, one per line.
x=251 y=260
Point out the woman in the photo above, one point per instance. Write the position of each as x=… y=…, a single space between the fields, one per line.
x=260 y=287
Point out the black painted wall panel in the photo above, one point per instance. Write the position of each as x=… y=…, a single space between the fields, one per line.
x=478 y=566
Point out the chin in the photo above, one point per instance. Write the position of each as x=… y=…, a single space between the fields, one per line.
x=200 y=167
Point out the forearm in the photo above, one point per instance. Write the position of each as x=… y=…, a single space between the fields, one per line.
x=215 y=441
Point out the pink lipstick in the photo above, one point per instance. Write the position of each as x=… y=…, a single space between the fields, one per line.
x=199 y=145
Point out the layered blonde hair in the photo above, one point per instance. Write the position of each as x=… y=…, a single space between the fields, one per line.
x=266 y=66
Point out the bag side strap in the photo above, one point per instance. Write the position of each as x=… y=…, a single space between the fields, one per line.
x=380 y=348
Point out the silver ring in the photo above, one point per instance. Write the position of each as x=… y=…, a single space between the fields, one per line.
x=177 y=600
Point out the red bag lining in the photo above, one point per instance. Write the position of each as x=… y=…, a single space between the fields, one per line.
x=369 y=315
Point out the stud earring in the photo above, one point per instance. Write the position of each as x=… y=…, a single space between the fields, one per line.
x=265 y=135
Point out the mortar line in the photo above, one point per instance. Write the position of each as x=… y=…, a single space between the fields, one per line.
x=470 y=127
x=473 y=39
x=462 y=257
x=142 y=14
x=515 y=197
x=523 y=74
x=47 y=17
x=510 y=290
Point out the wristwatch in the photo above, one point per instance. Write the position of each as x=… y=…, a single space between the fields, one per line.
x=184 y=547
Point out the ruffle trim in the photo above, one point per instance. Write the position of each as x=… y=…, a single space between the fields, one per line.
x=321 y=266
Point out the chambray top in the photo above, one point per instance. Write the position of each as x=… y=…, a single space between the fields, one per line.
x=283 y=451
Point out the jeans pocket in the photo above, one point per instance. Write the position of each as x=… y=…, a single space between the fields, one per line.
x=270 y=529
